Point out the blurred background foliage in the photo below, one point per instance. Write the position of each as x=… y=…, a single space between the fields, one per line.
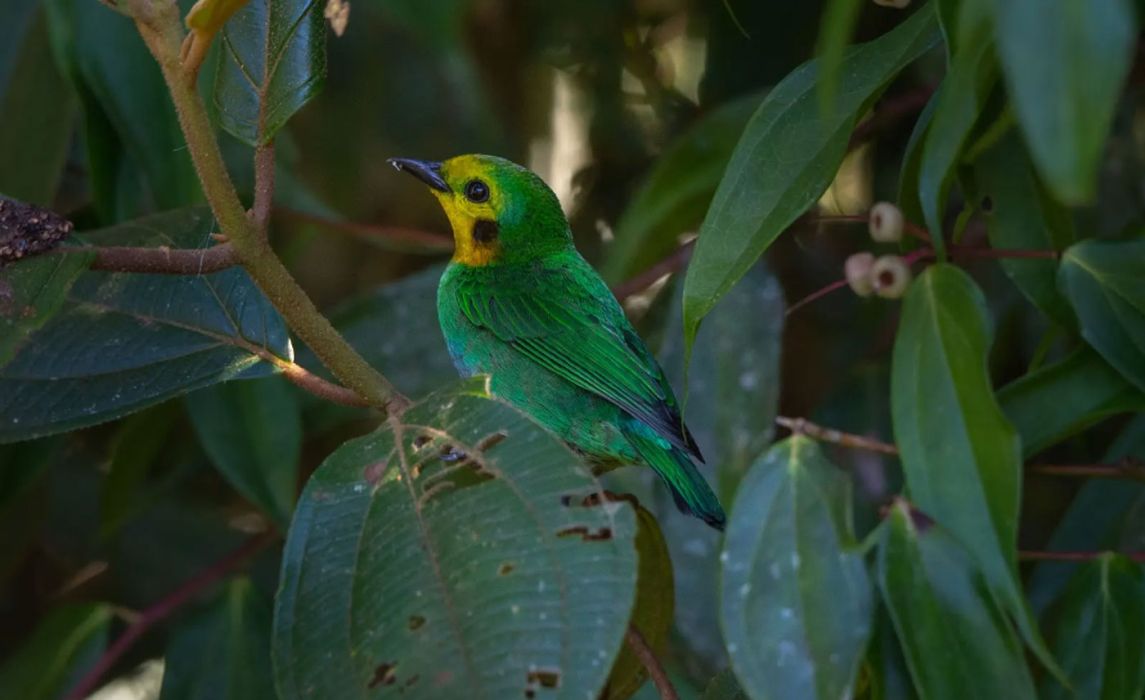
x=630 y=109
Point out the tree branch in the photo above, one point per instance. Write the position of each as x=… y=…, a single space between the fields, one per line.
x=160 y=27
x=802 y=426
x=673 y=263
x=399 y=235
x=656 y=672
x=1073 y=556
x=263 y=187
x=318 y=386
x=167 y=606
x=1125 y=470
x=163 y=260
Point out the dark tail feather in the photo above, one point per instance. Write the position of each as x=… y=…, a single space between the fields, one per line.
x=689 y=488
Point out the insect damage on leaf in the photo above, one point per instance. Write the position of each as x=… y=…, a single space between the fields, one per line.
x=541 y=678
x=28 y=230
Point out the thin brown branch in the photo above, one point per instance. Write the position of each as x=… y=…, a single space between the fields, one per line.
x=802 y=426
x=318 y=386
x=263 y=187
x=1027 y=555
x=647 y=657
x=398 y=235
x=675 y=261
x=167 y=606
x=163 y=260
x=817 y=294
x=1125 y=470
x=889 y=112
x=913 y=230
x=997 y=253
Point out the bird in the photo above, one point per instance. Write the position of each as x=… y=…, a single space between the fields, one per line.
x=518 y=302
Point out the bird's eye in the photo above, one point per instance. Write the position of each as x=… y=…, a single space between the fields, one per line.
x=477 y=191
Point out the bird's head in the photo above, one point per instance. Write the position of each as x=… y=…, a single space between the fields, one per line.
x=501 y=213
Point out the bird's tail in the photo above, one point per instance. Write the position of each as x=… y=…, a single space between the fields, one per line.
x=689 y=489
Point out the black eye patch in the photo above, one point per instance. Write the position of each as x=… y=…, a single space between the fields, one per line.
x=485 y=231
x=476 y=191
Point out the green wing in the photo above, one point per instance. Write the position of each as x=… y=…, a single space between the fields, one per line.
x=564 y=319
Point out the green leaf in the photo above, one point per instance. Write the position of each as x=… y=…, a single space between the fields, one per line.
x=138 y=158
x=31 y=292
x=957 y=105
x=732 y=397
x=37 y=116
x=835 y=32
x=961 y=458
x=724 y=686
x=652 y=612
x=252 y=431
x=274 y=62
x=461 y=561
x=886 y=670
x=786 y=158
x=795 y=600
x=1060 y=400
x=123 y=342
x=1021 y=215
x=23 y=481
x=1065 y=65
x=65 y=643
x=135 y=448
x=1099 y=633
x=1105 y=282
x=676 y=193
x=16 y=19
x=223 y=652
x=909 y=173
x=955 y=636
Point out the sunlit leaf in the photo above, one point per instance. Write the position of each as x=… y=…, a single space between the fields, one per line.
x=795 y=599
x=274 y=62
x=1105 y=282
x=222 y=652
x=64 y=644
x=960 y=456
x=1065 y=65
x=123 y=342
x=956 y=638
x=252 y=431
x=453 y=555
x=786 y=158
x=1099 y=631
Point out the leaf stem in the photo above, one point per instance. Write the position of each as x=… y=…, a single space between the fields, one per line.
x=1028 y=555
x=652 y=665
x=160 y=27
x=162 y=260
x=263 y=187
x=802 y=426
x=167 y=606
x=1127 y=470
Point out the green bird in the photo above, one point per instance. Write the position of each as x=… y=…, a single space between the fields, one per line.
x=519 y=303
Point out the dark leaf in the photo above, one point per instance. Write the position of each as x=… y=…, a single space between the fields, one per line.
x=786 y=158
x=135 y=449
x=274 y=62
x=31 y=292
x=123 y=342
x=724 y=686
x=66 y=643
x=795 y=599
x=405 y=561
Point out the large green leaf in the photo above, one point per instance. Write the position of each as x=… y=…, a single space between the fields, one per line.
x=961 y=457
x=1105 y=282
x=137 y=155
x=1065 y=64
x=795 y=599
x=123 y=342
x=16 y=19
x=1020 y=214
x=453 y=555
x=1099 y=631
x=675 y=195
x=835 y=32
x=37 y=115
x=222 y=652
x=957 y=106
x=786 y=158
x=31 y=292
x=252 y=431
x=957 y=641
x=274 y=62
x=1060 y=400
x=732 y=397
x=65 y=643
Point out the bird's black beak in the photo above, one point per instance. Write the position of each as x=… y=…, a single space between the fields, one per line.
x=427 y=171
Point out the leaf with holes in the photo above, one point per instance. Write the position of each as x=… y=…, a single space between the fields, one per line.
x=955 y=635
x=1099 y=631
x=273 y=63
x=462 y=552
x=123 y=342
x=786 y=158
x=795 y=601
x=223 y=651
x=66 y=643
x=1105 y=282
x=960 y=456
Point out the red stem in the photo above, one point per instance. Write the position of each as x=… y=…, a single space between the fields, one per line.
x=165 y=608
